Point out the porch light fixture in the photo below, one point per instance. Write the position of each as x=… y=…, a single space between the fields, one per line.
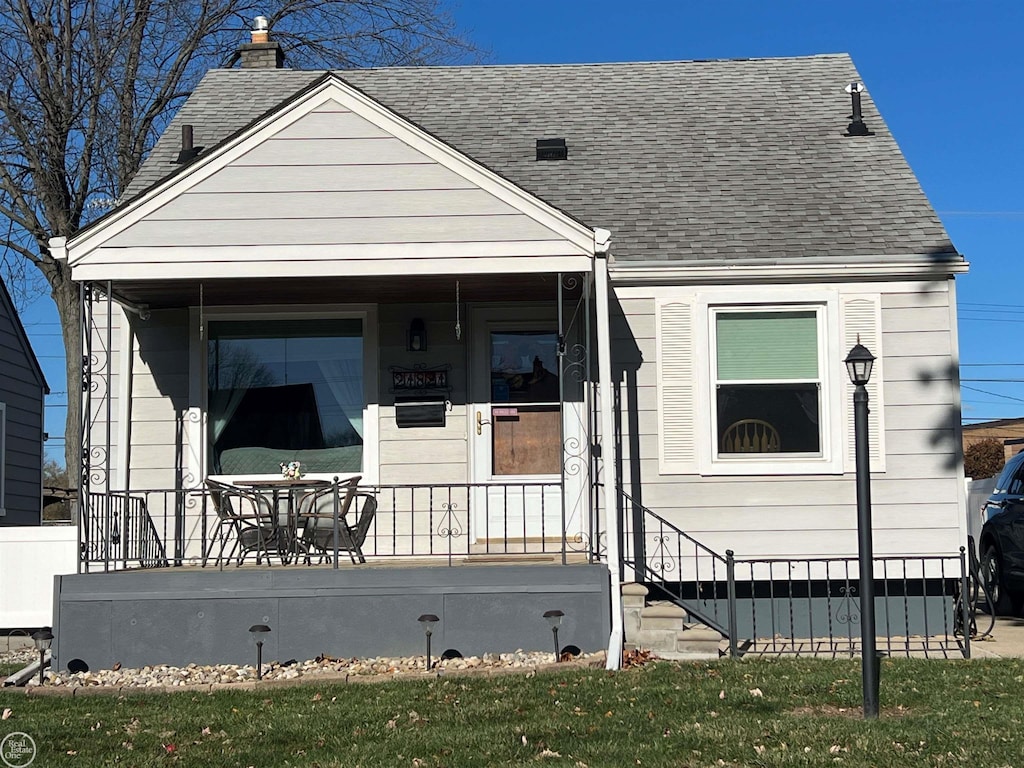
x=43 y=638
x=428 y=620
x=258 y=631
x=417 y=336
x=858 y=366
x=554 y=619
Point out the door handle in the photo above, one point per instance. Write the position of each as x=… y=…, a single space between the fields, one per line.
x=480 y=421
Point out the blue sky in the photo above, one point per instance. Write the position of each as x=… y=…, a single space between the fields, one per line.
x=946 y=74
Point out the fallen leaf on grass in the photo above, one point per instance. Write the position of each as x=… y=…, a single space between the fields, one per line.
x=721 y=694
x=547 y=753
x=756 y=693
x=7 y=713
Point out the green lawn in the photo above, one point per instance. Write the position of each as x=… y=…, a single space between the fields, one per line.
x=751 y=713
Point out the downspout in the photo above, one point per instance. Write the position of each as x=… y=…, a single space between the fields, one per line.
x=602 y=244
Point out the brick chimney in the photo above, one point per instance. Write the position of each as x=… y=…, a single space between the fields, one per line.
x=261 y=53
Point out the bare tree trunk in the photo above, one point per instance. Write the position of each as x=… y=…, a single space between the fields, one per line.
x=65 y=294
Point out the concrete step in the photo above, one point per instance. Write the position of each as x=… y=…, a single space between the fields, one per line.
x=662 y=627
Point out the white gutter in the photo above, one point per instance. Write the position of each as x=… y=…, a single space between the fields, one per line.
x=628 y=274
x=602 y=243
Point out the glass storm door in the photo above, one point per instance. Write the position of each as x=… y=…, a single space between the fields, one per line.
x=516 y=429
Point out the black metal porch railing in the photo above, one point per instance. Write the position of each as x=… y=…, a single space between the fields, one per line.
x=115 y=530
x=452 y=522
x=799 y=605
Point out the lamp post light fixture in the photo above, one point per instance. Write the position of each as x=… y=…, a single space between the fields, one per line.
x=428 y=620
x=858 y=365
x=554 y=619
x=258 y=631
x=42 y=639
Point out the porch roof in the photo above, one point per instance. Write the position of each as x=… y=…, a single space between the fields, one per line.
x=316 y=289
x=685 y=161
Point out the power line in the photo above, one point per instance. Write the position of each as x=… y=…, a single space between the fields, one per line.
x=994 y=394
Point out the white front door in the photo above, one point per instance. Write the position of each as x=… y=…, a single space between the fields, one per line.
x=516 y=428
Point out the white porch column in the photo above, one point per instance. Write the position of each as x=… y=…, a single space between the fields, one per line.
x=602 y=242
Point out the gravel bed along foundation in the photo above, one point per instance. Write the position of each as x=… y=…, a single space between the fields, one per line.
x=163 y=676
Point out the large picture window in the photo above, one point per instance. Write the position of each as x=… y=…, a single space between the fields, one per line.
x=768 y=385
x=285 y=390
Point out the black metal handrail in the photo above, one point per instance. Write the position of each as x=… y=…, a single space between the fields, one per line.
x=118 y=532
x=658 y=552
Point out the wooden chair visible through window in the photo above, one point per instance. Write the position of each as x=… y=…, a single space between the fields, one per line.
x=750 y=436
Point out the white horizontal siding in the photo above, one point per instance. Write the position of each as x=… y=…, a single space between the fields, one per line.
x=916 y=501
x=270 y=230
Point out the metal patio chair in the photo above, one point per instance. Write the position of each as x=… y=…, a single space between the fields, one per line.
x=246 y=519
x=316 y=515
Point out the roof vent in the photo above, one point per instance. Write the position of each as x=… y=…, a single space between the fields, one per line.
x=552 y=149
x=856 y=126
x=189 y=151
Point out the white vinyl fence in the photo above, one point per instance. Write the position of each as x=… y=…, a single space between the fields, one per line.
x=30 y=556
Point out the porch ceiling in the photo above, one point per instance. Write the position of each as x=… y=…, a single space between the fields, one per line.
x=165 y=294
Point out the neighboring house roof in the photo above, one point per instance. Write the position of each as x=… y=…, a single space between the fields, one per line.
x=7 y=307
x=704 y=161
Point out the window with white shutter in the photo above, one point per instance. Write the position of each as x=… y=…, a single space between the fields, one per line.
x=751 y=381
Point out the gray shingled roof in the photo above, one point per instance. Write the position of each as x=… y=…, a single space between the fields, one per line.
x=696 y=160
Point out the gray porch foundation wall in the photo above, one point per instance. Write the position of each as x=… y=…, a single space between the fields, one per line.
x=183 y=616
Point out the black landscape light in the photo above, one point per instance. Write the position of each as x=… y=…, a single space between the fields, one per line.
x=554 y=619
x=43 y=638
x=258 y=631
x=428 y=620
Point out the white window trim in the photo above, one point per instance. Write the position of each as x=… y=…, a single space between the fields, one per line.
x=3 y=457
x=198 y=413
x=826 y=303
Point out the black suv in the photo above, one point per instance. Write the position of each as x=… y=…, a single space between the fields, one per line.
x=1002 y=539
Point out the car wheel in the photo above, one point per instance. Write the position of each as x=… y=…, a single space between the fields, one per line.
x=1001 y=600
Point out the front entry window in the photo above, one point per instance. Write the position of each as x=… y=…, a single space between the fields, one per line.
x=285 y=390
x=525 y=403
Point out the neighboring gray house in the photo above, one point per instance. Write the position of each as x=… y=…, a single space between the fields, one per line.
x=512 y=298
x=22 y=392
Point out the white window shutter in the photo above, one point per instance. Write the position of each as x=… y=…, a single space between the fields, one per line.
x=862 y=317
x=677 y=389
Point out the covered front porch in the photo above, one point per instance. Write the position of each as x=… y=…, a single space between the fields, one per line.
x=464 y=406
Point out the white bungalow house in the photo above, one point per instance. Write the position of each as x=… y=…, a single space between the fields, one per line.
x=511 y=299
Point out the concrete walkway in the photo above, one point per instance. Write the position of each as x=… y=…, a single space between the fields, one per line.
x=1007 y=640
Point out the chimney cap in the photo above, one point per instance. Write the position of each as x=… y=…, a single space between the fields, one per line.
x=260 y=24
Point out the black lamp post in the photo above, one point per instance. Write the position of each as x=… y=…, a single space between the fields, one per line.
x=258 y=631
x=428 y=620
x=858 y=365
x=554 y=619
x=42 y=639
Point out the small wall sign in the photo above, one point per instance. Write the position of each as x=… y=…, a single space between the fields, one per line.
x=419 y=379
